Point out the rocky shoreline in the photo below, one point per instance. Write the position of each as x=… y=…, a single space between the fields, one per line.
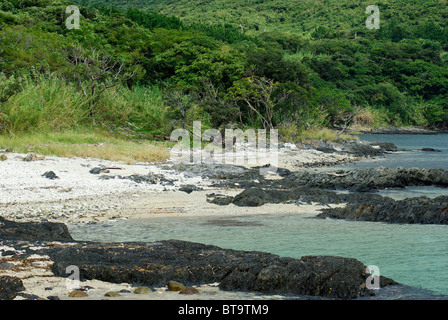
x=155 y=264
x=401 y=130
x=360 y=204
x=41 y=195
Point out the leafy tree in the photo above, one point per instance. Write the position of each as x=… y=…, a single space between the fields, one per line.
x=96 y=72
x=334 y=103
x=257 y=93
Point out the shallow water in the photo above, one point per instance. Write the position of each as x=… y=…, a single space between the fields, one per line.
x=410 y=154
x=414 y=255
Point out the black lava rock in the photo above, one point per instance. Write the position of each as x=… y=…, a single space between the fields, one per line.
x=50 y=175
x=34 y=231
x=10 y=287
x=153 y=264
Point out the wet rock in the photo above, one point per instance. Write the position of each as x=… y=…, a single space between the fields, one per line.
x=353 y=147
x=365 y=180
x=333 y=277
x=431 y=150
x=195 y=263
x=254 y=197
x=360 y=206
x=421 y=210
x=34 y=231
x=10 y=287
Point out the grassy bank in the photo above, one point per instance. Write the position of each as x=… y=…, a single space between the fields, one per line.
x=85 y=143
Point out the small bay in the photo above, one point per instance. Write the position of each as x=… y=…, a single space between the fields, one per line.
x=413 y=255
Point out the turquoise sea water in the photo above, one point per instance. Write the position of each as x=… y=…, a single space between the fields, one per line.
x=411 y=154
x=414 y=255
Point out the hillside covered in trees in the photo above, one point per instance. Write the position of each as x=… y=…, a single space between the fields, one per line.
x=158 y=65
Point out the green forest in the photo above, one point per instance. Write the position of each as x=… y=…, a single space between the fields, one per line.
x=154 y=66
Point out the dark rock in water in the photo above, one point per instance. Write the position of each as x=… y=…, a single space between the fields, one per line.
x=193 y=263
x=50 y=175
x=33 y=231
x=333 y=277
x=431 y=150
x=384 y=146
x=10 y=287
x=360 y=206
x=353 y=147
x=254 y=197
x=155 y=263
x=189 y=188
x=422 y=210
x=362 y=180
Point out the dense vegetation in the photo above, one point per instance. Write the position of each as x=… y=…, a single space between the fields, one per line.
x=292 y=65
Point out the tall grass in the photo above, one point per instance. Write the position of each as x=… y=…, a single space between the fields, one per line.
x=48 y=117
x=44 y=104
x=143 y=107
x=48 y=103
x=85 y=143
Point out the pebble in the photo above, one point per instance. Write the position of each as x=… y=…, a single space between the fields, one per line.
x=112 y=294
x=175 y=286
x=142 y=290
x=78 y=294
x=6 y=265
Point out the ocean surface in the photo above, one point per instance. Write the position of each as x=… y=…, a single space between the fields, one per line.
x=410 y=154
x=413 y=255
